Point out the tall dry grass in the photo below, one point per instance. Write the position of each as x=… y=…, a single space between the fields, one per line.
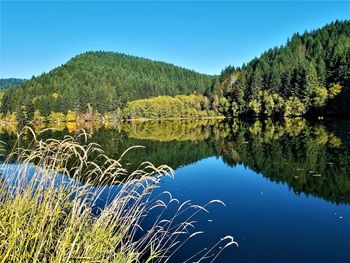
x=48 y=215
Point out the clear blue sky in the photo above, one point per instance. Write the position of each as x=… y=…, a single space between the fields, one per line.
x=204 y=36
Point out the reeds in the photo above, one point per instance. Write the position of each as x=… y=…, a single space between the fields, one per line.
x=48 y=210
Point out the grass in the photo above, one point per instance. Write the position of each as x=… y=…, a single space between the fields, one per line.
x=47 y=216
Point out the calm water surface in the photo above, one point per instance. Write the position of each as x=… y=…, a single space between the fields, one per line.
x=286 y=184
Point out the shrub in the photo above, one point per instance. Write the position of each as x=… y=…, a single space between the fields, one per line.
x=47 y=201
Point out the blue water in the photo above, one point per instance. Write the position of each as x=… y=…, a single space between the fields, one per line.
x=269 y=221
x=286 y=184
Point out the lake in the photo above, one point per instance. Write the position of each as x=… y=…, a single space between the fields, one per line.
x=286 y=184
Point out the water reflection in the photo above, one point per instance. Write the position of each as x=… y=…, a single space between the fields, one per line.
x=311 y=158
x=308 y=157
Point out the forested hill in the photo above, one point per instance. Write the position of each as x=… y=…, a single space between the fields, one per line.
x=308 y=75
x=9 y=82
x=103 y=81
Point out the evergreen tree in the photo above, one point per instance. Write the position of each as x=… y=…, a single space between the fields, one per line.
x=308 y=71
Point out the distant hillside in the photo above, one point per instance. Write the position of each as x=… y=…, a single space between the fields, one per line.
x=309 y=75
x=7 y=83
x=102 y=81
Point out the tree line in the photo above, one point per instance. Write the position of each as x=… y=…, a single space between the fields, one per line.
x=299 y=78
x=102 y=81
x=180 y=106
x=9 y=82
x=310 y=74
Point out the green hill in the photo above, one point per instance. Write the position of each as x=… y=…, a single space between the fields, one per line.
x=308 y=75
x=103 y=81
x=9 y=82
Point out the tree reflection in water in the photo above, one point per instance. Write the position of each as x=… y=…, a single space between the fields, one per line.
x=311 y=157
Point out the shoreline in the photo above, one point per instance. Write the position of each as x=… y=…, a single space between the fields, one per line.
x=4 y=122
x=220 y=117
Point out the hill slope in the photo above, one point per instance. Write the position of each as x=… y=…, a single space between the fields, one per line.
x=103 y=80
x=7 y=83
x=309 y=75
